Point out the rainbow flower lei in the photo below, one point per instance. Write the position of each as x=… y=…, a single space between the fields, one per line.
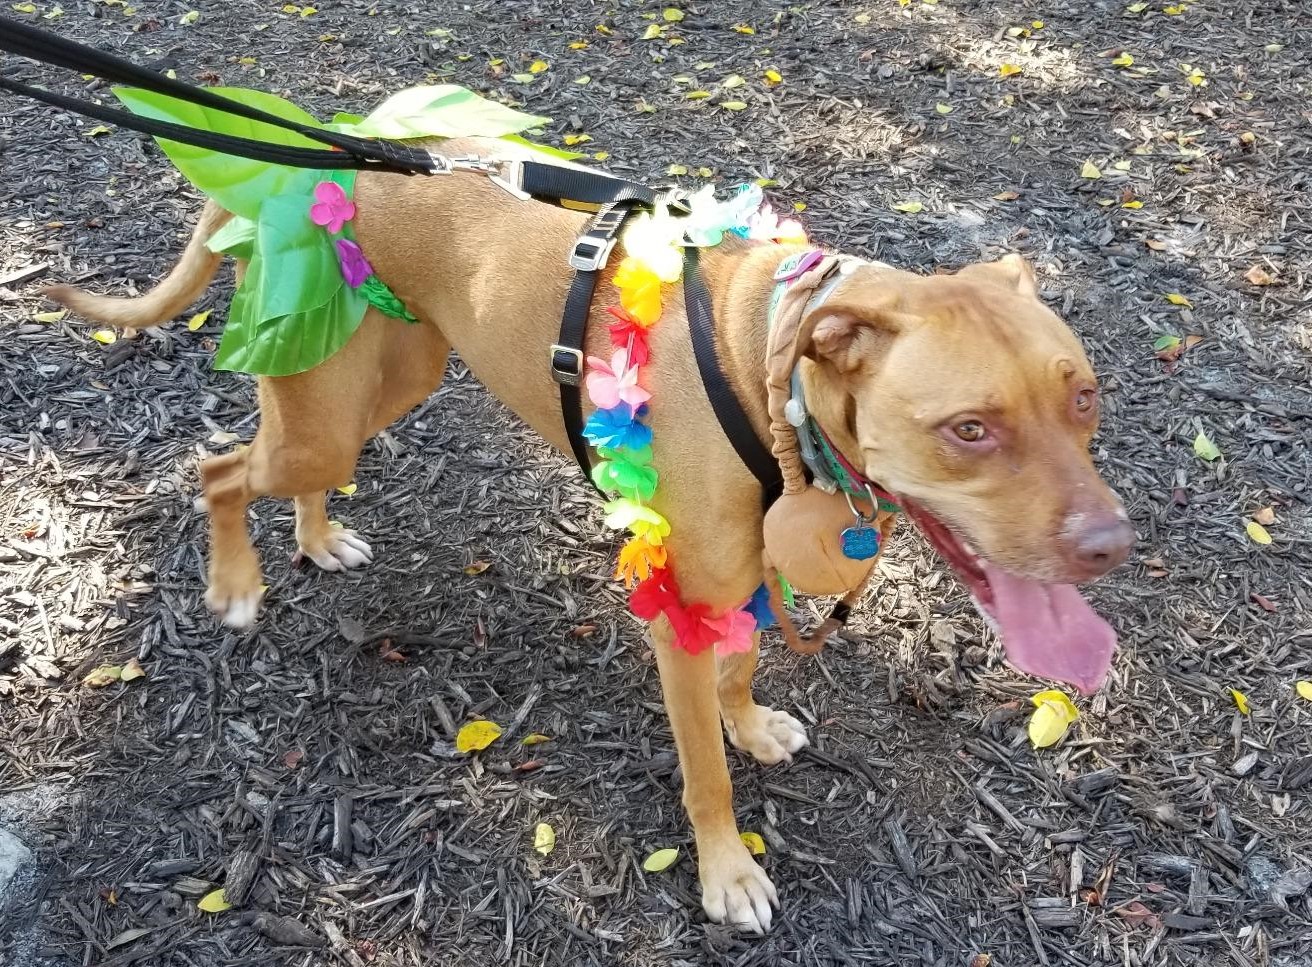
x=653 y=245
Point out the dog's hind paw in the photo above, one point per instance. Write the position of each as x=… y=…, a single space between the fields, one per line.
x=736 y=891
x=769 y=736
x=340 y=550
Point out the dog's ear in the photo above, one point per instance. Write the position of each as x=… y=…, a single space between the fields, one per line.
x=848 y=334
x=1011 y=271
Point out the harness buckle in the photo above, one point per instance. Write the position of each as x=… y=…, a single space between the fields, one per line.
x=566 y=365
x=591 y=253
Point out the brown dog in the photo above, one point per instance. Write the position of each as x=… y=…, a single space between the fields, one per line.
x=962 y=394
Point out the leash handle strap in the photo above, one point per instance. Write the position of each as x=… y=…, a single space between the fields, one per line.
x=48 y=48
x=728 y=409
x=225 y=143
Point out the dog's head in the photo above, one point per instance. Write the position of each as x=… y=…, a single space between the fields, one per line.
x=970 y=400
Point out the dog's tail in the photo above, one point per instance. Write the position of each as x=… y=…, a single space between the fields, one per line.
x=179 y=289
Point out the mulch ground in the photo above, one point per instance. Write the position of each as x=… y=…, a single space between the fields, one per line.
x=309 y=766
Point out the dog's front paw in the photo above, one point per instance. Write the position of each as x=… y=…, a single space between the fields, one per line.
x=735 y=890
x=768 y=735
x=236 y=608
x=338 y=550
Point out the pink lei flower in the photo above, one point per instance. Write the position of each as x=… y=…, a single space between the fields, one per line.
x=617 y=383
x=331 y=208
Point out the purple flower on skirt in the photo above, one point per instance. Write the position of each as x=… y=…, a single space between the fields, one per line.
x=355 y=267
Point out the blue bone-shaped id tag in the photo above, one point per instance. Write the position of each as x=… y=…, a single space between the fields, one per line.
x=860 y=543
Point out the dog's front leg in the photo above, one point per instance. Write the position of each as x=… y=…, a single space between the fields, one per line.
x=734 y=888
x=768 y=735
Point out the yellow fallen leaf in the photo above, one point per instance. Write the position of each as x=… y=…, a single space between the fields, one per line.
x=584 y=79
x=579 y=45
x=672 y=15
x=25 y=7
x=348 y=489
x=1196 y=78
x=1241 y=701
x=677 y=170
x=943 y=108
x=538 y=66
x=1265 y=516
x=1009 y=70
x=1124 y=60
x=544 y=838
x=1090 y=170
x=198 y=320
x=535 y=738
x=50 y=316
x=1132 y=204
x=799 y=206
x=477 y=735
x=1175 y=9
x=1053 y=714
x=704 y=172
x=97 y=131
x=755 y=845
x=573 y=139
x=132 y=671
x=660 y=860
x=213 y=902
x=1037 y=24
x=734 y=105
x=1175 y=299
x=102 y=676
x=1205 y=448
x=1123 y=165
x=1136 y=8
x=697 y=95
x=1257 y=532
x=190 y=17
x=1304 y=690
x=864 y=18
x=773 y=77
x=601 y=155
x=653 y=31
x=744 y=29
x=603 y=29
x=732 y=81
x=105 y=336
x=909 y=207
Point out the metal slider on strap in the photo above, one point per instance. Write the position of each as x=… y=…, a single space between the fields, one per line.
x=566 y=365
x=591 y=253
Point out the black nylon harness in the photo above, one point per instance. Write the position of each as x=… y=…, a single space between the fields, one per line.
x=615 y=199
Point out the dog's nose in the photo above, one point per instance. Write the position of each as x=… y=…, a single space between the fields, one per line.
x=1101 y=543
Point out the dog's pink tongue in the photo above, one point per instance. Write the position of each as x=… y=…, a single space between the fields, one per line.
x=1049 y=630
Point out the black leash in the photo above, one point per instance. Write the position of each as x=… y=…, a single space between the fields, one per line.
x=48 y=48
x=728 y=409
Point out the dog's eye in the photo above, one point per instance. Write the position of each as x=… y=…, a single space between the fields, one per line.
x=971 y=431
x=1085 y=400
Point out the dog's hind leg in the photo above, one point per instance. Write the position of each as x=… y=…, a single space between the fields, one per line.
x=412 y=363
x=312 y=428
x=770 y=736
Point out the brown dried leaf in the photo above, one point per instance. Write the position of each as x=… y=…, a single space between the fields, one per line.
x=1266 y=516
x=1257 y=275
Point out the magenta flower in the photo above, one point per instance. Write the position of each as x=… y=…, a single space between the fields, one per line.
x=331 y=208
x=355 y=267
